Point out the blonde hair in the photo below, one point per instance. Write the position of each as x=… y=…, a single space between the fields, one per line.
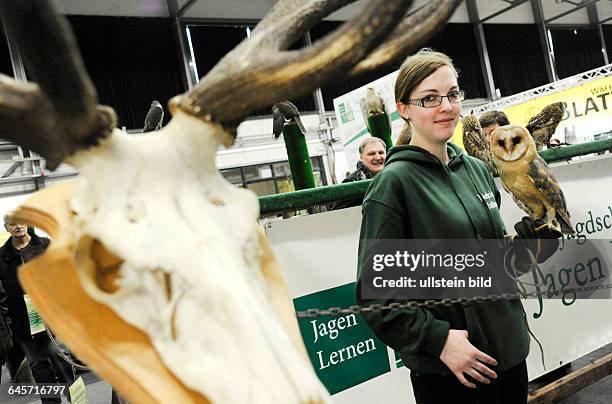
x=405 y=135
x=412 y=72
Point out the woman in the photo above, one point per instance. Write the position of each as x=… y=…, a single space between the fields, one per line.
x=430 y=189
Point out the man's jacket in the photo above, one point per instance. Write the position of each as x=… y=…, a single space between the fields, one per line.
x=10 y=260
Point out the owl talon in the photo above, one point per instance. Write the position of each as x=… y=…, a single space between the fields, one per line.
x=543 y=226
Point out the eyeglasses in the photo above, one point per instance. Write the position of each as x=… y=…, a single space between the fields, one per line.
x=431 y=101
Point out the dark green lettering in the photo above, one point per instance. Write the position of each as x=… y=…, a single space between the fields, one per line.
x=576 y=114
x=552 y=288
x=566 y=113
x=590 y=265
x=598 y=223
x=579 y=268
x=603 y=100
x=590 y=105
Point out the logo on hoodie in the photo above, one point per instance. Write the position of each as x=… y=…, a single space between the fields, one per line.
x=489 y=200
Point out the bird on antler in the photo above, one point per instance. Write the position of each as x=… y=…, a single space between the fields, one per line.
x=543 y=125
x=166 y=320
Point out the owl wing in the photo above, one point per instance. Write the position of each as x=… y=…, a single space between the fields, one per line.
x=278 y=122
x=544 y=180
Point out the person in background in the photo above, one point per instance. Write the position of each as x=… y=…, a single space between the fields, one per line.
x=23 y=246
x=372 y=154
x=6 y=338
x=491 y=120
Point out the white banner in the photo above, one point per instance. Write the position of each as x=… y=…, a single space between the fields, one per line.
x=352 y=127
x=319 y=256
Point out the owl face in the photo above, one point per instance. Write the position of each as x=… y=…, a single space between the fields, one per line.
x=510 y=142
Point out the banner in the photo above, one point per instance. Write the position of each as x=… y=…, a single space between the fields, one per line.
x=352 y=128
x=588 y=111
x=318 y=254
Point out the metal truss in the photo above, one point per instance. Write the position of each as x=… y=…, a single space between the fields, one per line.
x=546 y=89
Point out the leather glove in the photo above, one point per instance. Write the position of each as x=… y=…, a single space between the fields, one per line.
x=529 y=229
x=530 y=234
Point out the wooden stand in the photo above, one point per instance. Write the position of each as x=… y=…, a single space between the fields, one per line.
x=115 y=350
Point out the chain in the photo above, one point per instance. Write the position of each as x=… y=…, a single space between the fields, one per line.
x=377 y=307
x=61 y=353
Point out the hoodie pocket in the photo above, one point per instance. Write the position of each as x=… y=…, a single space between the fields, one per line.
x=476 y=334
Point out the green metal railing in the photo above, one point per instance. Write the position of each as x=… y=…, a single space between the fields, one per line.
x=306 y=198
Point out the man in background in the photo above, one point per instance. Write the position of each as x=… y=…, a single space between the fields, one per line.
x=372 y=155
x=23 y=246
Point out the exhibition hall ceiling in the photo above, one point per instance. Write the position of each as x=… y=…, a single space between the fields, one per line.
x=255 y=9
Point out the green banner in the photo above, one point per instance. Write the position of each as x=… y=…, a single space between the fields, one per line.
x=343 y=350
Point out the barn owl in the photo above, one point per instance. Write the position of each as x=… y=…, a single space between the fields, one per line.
x=528 y=178
x=475 y=143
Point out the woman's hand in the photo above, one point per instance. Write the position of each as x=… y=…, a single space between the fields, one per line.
x=462 y=357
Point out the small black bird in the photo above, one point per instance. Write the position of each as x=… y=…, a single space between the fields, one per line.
x=285 y=112
x=154 y=118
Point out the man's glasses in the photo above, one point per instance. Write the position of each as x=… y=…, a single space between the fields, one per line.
x=431 y=101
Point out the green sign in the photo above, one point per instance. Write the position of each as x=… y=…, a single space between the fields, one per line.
x=343 y=350
x=346 y=113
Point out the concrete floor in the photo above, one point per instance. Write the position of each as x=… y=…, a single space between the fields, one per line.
x=99 y=392
x=597 y=393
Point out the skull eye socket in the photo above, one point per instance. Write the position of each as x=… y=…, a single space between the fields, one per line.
x=516 y=140
x=500 y=142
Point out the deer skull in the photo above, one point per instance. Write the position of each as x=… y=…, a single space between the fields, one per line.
x=202 y=300
x=185 y=243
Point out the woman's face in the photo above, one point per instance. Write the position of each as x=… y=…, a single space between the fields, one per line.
x=436 y=124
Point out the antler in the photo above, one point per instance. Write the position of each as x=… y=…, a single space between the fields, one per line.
x=260 y=71
x=408 y=35
x=59 y=115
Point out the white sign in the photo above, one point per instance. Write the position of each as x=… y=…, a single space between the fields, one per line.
x=352 y=126
x=319 y=252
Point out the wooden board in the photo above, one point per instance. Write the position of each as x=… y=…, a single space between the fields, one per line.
x=115 y=350
x=575 y=381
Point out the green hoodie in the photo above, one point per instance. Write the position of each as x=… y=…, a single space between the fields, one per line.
x=418 y=197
